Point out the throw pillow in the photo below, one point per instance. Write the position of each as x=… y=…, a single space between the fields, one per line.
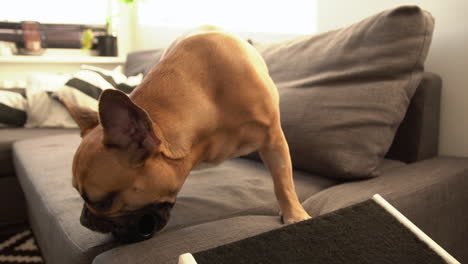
x=42 y=110
x=344 y=93
x=87 y=85
x=12 y=107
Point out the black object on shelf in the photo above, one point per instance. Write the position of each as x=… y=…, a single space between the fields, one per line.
x=107 y=45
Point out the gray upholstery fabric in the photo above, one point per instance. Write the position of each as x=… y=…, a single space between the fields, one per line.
x=211 y=211
x=340 y=87
x=10 y=135
x=431 y=193
x=43 y=168
x=166 y=247
x=417 y=138
x=236 y=187
x=142 y=61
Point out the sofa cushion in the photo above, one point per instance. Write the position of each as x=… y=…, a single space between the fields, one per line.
x=417 y=138
x=10 y=135
x=42 y=110
x=85 y=87
x=165 y=247
x=343 y=93
x=236 y=187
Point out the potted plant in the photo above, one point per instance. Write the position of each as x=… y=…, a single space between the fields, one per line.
x=107 y=43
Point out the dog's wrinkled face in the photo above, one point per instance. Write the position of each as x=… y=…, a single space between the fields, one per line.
x=111 y=183
x=114 y=186
x=127 y=186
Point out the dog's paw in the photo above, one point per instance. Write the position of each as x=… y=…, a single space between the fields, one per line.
x=295 y=218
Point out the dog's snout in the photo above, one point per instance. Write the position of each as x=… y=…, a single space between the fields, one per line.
x=142 y=224
x=84 y=218
x=132 y=227
x=98 y=224
x=147 y=225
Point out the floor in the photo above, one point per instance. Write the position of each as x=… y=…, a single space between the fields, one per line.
x=17 y=245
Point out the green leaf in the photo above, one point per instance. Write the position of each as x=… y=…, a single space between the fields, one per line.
x=129 y=2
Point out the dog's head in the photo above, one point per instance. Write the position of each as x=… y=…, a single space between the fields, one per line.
x=128 y=182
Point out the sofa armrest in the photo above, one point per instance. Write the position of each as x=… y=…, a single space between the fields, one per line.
x=431 y=193
x=417 y=138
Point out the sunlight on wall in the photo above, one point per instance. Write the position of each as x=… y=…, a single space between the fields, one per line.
x=292 y=16
x=55 y=11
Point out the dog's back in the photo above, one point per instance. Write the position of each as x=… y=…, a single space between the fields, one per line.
x=216 y=86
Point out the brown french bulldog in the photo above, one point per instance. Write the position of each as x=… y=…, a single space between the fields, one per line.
x=209 y=99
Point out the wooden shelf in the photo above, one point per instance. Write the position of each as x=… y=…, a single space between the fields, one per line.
x=15 y=68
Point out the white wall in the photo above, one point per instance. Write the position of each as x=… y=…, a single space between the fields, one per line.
x=448 y=56
x=126 y=28
x=159 y=24
x=153 y=37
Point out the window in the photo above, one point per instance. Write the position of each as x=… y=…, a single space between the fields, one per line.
x=55 y=11
x=292 y=16
x=62 y=22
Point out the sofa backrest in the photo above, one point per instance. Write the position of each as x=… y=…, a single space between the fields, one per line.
x=417 y=138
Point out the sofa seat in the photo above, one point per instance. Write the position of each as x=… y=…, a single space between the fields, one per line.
x=12 y=205
x=43 y=168
x=211 y=212
x=420 y=190
x=10 y=135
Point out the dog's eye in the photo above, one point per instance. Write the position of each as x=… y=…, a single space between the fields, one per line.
x=103 y=204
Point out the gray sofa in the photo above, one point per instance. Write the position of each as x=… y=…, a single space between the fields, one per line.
x=212 y=210
x=235 y=200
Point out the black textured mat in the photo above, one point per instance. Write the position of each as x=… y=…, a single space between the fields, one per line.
x=363 y=233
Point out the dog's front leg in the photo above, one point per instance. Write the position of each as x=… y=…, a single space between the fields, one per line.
x=275 y=156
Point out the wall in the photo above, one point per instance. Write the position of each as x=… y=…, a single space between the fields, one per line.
x=448 y=56
x=153 y=37
x=126 y=28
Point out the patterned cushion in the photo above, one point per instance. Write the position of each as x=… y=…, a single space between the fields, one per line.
x=83 y=89
x=87 y=85
x=12 y=107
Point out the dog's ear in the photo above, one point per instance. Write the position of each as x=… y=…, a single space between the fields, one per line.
x=86 y=118
x=126 y=126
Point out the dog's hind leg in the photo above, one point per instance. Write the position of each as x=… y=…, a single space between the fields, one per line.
x=275 y=156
